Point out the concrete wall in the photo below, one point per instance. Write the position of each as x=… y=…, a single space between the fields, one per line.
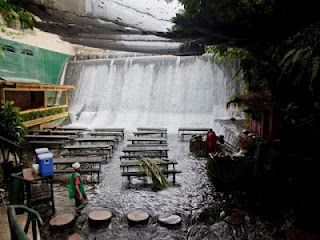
x=37 y=38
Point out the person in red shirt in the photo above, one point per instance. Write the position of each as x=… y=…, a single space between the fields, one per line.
x=210 y=142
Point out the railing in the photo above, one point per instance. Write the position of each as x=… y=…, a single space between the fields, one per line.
x=42 y=115
x=12 y=148
x=44 y=109
x=16 y=230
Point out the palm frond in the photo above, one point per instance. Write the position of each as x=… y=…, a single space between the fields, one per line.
x=153 y=172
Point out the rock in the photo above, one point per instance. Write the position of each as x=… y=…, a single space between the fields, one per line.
x=63 y=220
x=170 y=220
x=99 y=216
x=75 y=236
x=138 y=216
x=222 y=215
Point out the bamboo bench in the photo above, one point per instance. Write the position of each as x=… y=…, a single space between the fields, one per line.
x=61 y=132
x=142 y=173
x=116 y=134
x=145 y=150
x=88 y=150
x=39 y=142
x=120 y=130
x=190 y=134
x=161 y=131
x=88 y=165
x=51 y=137
x=150 y=140
x=147 y=145
x=125 y=164
x=144 y=155
x=83 y=171
x=152 y=129
x=83 y=160
x=83 y=154
x=192 y=131
x=70 y=128
x=108 y=140
x=144 y=133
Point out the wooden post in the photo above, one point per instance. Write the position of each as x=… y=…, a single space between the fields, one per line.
x=2 y=95
x=45 y=99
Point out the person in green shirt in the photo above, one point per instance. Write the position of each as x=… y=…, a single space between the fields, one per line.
x=76 y=189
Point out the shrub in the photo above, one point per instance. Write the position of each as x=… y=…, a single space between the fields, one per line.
x=11 y=126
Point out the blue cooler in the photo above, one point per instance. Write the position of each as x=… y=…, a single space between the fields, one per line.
x=46 y=164
x=40 y=151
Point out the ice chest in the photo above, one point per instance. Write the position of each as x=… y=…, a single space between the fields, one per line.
x=46 y=164
x=40 y=151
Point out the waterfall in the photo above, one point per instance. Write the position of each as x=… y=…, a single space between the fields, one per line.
x=150 y=91
x=59 y=99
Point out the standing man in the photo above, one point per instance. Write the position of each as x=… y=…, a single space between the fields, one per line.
x=210 y=142
x=76 y=189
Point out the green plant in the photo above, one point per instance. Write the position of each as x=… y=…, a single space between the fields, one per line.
x=11 y=126
x=41 y=113
x=11 y=10
x=154 y=173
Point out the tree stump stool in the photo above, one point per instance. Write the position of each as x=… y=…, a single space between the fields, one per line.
x=75 y=236
x=169 y=220
x=138 y=216
x=62 y=221
x=99 y=216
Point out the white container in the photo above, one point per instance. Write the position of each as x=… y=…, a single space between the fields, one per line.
x=39 y=151
x=35 y=168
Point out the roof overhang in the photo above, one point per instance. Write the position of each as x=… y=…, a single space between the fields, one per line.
x=256 y=101
x=11 y=85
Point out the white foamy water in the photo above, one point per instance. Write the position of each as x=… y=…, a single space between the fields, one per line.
x=152 y=91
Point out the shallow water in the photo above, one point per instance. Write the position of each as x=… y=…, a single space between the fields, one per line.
x=193 y=197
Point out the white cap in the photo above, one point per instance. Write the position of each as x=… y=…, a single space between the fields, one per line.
x=76 y=165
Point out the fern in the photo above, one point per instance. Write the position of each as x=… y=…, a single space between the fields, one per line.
x=284 y=60
x=154 y=173
x=315 y=67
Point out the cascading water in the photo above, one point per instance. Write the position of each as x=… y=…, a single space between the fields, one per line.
x=151 y=91
x=167 y=92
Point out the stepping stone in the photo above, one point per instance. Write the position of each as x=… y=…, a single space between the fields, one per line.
x=99 y=216
x=62 y=220
x=138 y=216
x=75 y=236
x=170 y=220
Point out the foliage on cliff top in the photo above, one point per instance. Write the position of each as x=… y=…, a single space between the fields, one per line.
x=242 y=23
x=12 y=10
